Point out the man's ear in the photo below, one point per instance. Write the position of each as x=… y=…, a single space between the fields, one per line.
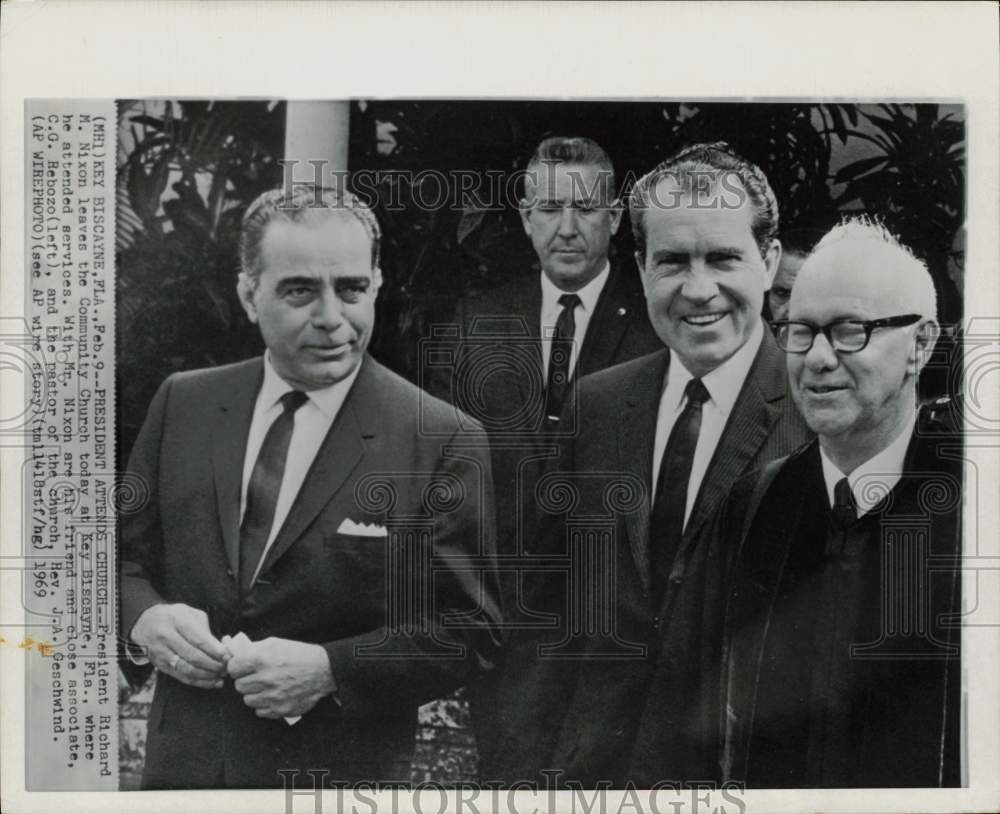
x=925 y=339
x=640 y=261
x=525 y=209
x=245 y=291
x=376 y=279
x=772 y=257
x=615 y=210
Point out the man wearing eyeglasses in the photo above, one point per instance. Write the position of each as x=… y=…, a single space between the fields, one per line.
x=842 y=640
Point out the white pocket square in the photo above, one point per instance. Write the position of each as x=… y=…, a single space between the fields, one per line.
x=361 y=529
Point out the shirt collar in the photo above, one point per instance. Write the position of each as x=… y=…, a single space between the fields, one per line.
x=874 y=479
x=724 y=382
x=328 y=399
x=588 y=295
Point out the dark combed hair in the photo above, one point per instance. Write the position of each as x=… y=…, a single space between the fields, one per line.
x=300 y=203
x=696 y=163
x=574 y=150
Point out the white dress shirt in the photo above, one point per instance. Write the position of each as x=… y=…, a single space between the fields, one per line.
x=874 y=479
x=723 y=385
x=551 y=309
x=312 y=422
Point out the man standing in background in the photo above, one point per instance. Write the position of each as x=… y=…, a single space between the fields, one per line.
x=524 y=345
x=795 y=247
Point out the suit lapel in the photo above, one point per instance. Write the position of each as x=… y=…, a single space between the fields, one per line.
x=513 y=319
x=341 y=451
x=529 y=305
x=607 y=326
x=758 y=571
x=229 y=443
x=757 y=409
x=636 y=434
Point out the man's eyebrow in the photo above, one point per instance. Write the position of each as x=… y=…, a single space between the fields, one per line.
x=662 y=254
x=580 y=200
x=353 y=279
x=295 y=280
x=726 y=250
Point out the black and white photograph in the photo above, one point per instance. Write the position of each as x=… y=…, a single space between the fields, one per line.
x=391 y=445
x=500 y=310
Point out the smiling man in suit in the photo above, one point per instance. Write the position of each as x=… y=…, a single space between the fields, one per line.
x=292 y=499
x=673 y=429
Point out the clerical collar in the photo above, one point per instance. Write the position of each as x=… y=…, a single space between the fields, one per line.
x=588 y=295
x=875 y=478
x=328 y=399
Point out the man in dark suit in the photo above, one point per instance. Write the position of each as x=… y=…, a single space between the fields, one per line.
x=660 y=441
x=306 y=501
x=843 y=624
x=523 y=346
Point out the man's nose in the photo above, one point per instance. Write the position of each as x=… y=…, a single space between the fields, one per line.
x=327 y=313
x=821 y=356
x=567 y=221
x=699 y=284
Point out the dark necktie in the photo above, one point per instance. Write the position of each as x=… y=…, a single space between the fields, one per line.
x=265 y=483
x=666 y=525
x=845 y=510
x=560 y=351
x=845 y=515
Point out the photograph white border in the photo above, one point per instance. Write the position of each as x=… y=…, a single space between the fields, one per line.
x=311 y=50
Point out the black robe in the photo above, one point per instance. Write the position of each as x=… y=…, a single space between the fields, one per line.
x=842 y=669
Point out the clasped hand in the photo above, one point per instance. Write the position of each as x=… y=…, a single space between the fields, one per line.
x=279 y=678
x=276 y=677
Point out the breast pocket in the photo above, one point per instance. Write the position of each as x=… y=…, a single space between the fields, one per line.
x=358 y=565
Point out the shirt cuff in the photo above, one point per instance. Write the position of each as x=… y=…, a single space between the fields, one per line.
x=136 y=655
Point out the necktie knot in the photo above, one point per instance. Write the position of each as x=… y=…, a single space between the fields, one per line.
x=696 y=392
x=569 y=301
x=845 y=511
x=293 y=399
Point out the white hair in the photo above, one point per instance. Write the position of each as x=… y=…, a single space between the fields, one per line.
x=919 y=283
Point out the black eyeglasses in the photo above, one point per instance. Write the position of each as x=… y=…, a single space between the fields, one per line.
x=844 y=335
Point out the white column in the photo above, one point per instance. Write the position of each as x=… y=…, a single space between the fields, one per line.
x=317 y=131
